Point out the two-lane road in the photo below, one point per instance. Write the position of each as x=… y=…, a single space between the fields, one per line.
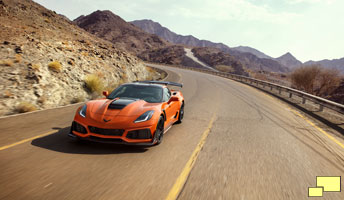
x=257 y=148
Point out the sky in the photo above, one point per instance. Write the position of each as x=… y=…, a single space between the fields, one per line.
x=309 y=29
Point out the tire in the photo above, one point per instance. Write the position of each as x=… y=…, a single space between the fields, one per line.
x=181 y=114
x=159 y=132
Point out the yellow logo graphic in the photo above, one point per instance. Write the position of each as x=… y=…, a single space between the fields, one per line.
x=325 y=184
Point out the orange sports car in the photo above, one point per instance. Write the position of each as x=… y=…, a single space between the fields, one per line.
x=134 y=113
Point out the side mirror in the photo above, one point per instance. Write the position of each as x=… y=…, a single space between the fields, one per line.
x=173 y=99
x=106 y=93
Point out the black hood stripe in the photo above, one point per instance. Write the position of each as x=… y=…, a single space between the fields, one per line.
x=120 y=103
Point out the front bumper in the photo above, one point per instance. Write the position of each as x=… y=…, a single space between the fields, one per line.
x=124 y=138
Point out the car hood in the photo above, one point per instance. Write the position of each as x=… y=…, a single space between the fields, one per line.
x=119 y=107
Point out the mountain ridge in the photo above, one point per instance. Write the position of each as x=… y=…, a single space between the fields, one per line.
x=248 y=59
x=113 y=28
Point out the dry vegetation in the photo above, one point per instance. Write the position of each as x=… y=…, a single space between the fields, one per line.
x=8 y=63
x=24 y=107
x=316 y=80
x=225 y=68
x=94 y=83
x=55 y=66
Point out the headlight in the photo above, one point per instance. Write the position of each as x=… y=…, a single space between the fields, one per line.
x=145 y=116
x=82 y=112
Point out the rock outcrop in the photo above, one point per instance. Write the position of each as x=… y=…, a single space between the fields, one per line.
x=45 y=59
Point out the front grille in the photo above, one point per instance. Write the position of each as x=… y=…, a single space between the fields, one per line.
x=105 y=140
x=139 y=134
x=101 y=131
x=78 y=128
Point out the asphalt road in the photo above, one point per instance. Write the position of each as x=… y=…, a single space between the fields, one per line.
x=257 y=148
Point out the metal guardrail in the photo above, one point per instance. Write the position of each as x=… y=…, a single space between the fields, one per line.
x=255 y=82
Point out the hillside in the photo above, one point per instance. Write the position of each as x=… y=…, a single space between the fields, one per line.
x=335 y=63
x=251 y=50
x=289 y=61
x=249 y=59
x=155 y=28
x=126 y=36
x=219 y=60
x=254 y=63
x=45 y=59
x=171 y=55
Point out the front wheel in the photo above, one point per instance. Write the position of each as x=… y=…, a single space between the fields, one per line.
x=159 y=132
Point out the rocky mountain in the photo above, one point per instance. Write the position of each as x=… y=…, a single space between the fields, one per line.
x=163 y=32
x=254 y=63
x=219 y=60
x=171 y=55
x=47 y=61
x=251 y=50
x=289 y=61
x=335 y=63
x=248 y=59
x=113 y=28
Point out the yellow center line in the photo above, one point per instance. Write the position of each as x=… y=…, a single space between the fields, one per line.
x=180 y=182
x=26 y=140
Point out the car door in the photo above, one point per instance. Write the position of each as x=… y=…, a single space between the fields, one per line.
x=169 y=107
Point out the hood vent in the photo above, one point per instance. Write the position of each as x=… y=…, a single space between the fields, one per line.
x=120 y=103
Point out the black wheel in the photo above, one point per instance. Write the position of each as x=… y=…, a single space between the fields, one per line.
x=181 y=114
x=159 y=132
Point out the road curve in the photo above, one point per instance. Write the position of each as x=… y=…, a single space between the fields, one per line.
x=257 y=148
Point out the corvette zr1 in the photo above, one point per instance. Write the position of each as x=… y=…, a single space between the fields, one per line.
x=134 y=113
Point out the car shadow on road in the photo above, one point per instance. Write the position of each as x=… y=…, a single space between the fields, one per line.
x=60 y=142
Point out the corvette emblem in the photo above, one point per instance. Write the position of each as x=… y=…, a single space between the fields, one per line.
x=105 y=120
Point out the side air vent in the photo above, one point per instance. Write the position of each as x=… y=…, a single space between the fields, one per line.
x=120 y=103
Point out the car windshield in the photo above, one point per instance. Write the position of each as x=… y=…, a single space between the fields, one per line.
x=151 y=94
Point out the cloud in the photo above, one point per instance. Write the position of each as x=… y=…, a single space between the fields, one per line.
x=238 y=10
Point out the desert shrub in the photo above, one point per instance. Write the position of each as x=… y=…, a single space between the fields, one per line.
x=94 y=83
x=77 y=99
x=24 y=106
x=327 y=82
x=303 y=78
x=18 y=58
x=225 y=68
x=55 y=66
x=8 y=63
x=315 y=79
x=42 y=99
x=111 y=87
x=36 y=67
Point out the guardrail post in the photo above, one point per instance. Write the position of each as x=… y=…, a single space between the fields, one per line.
x=303 y=100
x=290 y=95
x=321 y=108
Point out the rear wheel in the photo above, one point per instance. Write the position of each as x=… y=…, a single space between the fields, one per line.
x=181 y=114
x=159 y=132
